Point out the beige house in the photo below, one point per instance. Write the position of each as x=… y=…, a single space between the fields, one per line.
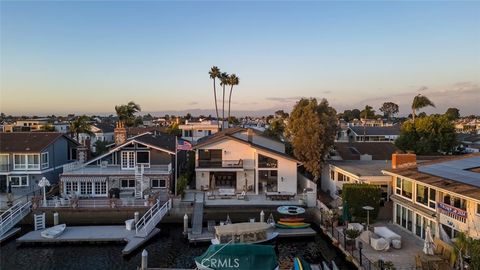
x=444 y=194
x=246 y=161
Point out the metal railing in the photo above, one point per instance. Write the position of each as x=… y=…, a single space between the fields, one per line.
x=14 y=215
x=95 y=203
x=151 y=218
x=220 y=163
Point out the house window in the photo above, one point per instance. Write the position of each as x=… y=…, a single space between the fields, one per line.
x=187 y=133
x=4 y=162
x=478 y=208
x=332 y=175
x=33 y=162
x=426 y=196
x=86 y=188
x=100 y=188
x=127 y=183
x=343 y=178
x=209 y=132
x=128 y=159
x=26 y=162
x=455 y=201
x=267 y=162
x=19 y=181
x=404 y=188
x=19 y=162
x=143 y=157
x=158 y=183
x=45 y=160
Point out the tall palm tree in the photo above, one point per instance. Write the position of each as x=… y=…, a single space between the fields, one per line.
x=80 y=125
x=215 y=73
x=126 y=113
x=223 y=82
x=232 y=81
x=419 y=102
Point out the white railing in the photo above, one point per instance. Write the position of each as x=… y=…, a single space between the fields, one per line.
x=71 y=166
x=151 y=218
x=13 y=215
x=96 y=203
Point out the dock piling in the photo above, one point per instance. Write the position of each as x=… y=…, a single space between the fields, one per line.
x=262 y=216
x=144 y=260
x=185 y=224
x=55 y=219
x=136 y=217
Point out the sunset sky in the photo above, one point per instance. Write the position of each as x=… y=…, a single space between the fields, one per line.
x=84 y=57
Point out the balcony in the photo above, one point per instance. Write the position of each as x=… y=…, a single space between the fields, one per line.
x=116 y=170
x=452 y=212
x=234 y=164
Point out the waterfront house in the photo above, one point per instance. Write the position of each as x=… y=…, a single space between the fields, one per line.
x=443 y=194
x=26 y=157
x=192 y=131
x=136 y=166
x=244 y=160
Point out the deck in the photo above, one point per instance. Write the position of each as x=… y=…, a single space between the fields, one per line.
x=251 y=200
x=92 y=234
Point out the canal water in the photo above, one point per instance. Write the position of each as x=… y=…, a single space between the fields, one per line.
x=168 y=249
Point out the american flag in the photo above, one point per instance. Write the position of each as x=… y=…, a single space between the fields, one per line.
x=184 y=145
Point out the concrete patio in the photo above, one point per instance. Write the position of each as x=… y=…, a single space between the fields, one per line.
x=250 y=200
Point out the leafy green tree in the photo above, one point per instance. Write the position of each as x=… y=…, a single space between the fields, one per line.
x=79 y=125
x=452 y=113
x=389 y=109
x=367 y=113
x=420 y=102
x=359 y=195
x=126 y=113
x=428 y=135
x=276 y=129
x=173 y=129
x=232 y=81
x=311 y=129
x=214 y=74
x=101 y=147
x=349 y=115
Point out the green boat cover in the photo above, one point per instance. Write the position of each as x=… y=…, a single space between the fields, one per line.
x=238 y=257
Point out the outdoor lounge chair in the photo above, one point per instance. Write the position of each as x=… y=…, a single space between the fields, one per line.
x=241 y=196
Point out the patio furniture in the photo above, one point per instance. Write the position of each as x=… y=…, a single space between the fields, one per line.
x=241 y=196
x=386 y=233
x=396 y=244
x=226 y=193
x=279 y=196
x=355 y=226
x=379 y=244
x=210 y=196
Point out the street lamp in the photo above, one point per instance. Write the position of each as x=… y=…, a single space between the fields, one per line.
x=44 y=183
x=368 y=208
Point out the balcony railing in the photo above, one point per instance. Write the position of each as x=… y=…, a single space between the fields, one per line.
x=116 y=169
x=453 y=212
x=220 y=163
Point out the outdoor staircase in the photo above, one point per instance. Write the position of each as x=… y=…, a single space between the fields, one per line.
x=39 y=221
x=139 y=170
x=151 y=218
x=13 y=215
x=197 y=220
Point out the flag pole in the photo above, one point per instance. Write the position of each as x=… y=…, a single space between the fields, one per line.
x=176 y=152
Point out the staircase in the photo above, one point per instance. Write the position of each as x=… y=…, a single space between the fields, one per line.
x=14 y=215
x=197 y=219
x=151 y=218
x=39 y=221
x=139 y=170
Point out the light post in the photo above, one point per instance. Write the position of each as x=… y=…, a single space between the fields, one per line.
x=368 y=209
x=44 y=183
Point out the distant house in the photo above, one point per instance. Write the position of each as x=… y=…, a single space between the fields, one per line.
x=373 y=134
x=26 y=157
x=340 y=172
x=32 y=124
x=62 y=127
x=363 y=151
x=192 y=131
x=137 y=166
x=101 y=132
x=471 y=143
x=244 y=160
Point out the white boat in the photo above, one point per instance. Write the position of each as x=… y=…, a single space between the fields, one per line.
x=325 y=266
x=53 y=232
x=334 y=266
x=245 y=233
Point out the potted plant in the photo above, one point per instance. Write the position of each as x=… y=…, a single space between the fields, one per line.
x=351 y=235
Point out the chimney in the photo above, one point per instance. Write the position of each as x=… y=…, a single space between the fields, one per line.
x=250 y=135
x=82 y=154
x=119 y=133
x=403 y=160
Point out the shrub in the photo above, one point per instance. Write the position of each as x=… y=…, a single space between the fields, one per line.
x=182 y=183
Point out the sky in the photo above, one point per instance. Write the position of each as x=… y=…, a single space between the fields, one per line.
x=61 y=57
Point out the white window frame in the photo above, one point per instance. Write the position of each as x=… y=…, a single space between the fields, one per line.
x=400 y=188
x=128 y=187
x=128 y=160
x=19 y=166
x=20 y=177
x=159 y=180
x=44 y=165
x=146 y=165
x=428 y=197
x=33 y=166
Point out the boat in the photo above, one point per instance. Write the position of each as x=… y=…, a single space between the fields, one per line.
x=238 y=256
x=334 y=266
x=292 y=219
x=325 y=266
x=281 y=226
x=301 y=264
x=292 y=223
x=245 y=233
x=53 y=232
x=291 y=210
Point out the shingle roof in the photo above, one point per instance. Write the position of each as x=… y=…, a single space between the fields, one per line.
x=105 y=127
x=353 y=150
x=132 y=131
x=363 y=167
x=160 y=140
x=27 y=142
x=376 y=131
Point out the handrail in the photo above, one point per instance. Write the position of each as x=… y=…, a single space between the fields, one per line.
x=150 y=219
x=13 y=217
x=9 y=211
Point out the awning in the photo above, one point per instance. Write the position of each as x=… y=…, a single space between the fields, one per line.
x=84 y=179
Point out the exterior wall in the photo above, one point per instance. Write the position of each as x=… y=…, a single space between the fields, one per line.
x=263 y=141
x=158 y=157
x=233 y=150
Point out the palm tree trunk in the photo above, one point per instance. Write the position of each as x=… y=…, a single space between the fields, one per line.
x=223 y=108
x=413 y=115
x=229 y=102
x=216 y=106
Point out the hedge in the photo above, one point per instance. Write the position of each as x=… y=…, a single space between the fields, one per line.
x=359 y=195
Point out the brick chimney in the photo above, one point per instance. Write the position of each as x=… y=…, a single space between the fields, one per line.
x=250 y=135
x=119 y=133
x=403 y=160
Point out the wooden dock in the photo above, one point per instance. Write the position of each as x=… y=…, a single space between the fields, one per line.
x=92 y=234
x=206 y=236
